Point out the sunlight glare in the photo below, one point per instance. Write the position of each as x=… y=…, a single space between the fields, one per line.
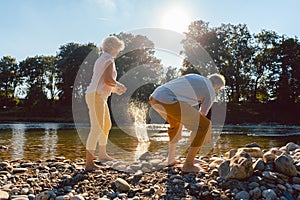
x=176 y=19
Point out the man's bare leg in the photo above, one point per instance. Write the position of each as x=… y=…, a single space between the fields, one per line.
x=172 y=153
x=188 y=165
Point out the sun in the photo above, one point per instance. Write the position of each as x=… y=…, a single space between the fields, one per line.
x=176 y=19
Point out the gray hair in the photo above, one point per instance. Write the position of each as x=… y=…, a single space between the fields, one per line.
x=217 y=80
x=111 y=43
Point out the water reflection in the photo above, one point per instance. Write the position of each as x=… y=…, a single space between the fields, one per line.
x=35 y=141
x=49 y=141
x=18 y=141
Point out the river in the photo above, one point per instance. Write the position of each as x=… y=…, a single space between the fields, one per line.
x=38 y=141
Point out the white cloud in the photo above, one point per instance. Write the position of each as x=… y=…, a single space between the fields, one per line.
x=107 y=4
x=103 y=19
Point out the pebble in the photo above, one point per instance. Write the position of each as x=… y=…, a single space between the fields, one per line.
x=272 y=175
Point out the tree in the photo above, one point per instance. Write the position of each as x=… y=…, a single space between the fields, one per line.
x=289 y=59
x=171 y=73
x=264 y=62
x=200 y=49
x=235 y=53
x=139 y=51
x=39 y=75
x=9 y=76
x=71 y=57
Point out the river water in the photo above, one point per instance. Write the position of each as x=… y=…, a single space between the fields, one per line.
x=38 y=141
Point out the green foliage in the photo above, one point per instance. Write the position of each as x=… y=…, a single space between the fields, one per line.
x=139 y=52
x=10 y=78
x=39 y=75
x=259 y=68
x=71 y=57
x=262 y=67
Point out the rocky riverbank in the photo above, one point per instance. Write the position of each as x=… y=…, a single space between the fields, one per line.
x=244 y=173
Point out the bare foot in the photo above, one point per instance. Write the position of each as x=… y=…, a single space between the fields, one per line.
x=105 y=158
x=173 y=162
x=92 y=166
x=187 y=168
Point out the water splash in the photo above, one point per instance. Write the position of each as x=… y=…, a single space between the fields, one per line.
x=138 y=112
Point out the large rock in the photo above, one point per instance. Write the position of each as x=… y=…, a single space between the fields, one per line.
x=240 y=167
x=292 y=146
x=255 y=152
x=285 y=165
x=252 y=151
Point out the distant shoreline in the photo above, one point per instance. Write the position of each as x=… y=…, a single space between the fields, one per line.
x=243 y=113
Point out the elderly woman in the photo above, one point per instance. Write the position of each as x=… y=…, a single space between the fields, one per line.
x=174 y=101
x=103 y=83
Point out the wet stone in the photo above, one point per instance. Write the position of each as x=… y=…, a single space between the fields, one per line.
x=19 y=170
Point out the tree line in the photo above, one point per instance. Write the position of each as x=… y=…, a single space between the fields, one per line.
x=261 y=67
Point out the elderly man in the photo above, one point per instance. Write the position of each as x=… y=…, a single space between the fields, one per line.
x=174 y=101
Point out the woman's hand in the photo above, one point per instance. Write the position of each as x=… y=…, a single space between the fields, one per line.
x=119 y=89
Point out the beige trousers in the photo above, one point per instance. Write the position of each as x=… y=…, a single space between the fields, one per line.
x=99 y=119
x=179 y=114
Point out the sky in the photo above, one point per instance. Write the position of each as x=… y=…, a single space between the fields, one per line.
x=40 y=27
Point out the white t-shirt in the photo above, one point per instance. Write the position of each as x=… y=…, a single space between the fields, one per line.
x=192 y=89
x=97 y=83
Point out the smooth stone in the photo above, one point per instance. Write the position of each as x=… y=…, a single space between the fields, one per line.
x=146 y=170
x=136 y=167
x=155 y=162
x=296 y=187
x=255 y=193
x=27 y=164
x=259 y=165
x=4 y=195
x=43 y=196
x=269 y=157
x=242 y=195
x=7 y=187
x=269 y=175
x=24 y=191
x=292 y=146
x=122 y=185
x=4 y=164
x=269 y=194
x=19 y=197
x=145 y=156
x=288 y=195
x=19 y=170
x=63 y=197
x=253 y=185
x=253 y=144
x=296 y=180
x=284 y=164
x=77 y=197
x=281 y=187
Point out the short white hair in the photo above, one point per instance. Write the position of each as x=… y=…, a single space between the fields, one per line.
x=217 y=80
x=111 y=43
